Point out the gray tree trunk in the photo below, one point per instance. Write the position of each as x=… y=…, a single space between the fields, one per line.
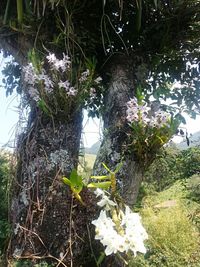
x=48 y=223
x=114 y=148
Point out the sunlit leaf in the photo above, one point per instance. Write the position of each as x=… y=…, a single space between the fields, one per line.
x=78 y=197
x=66 y=181
x=104 y=185
x=76 y=181
x=100 y=177
x=118 y=167
x=42 y=105
x=106 y=167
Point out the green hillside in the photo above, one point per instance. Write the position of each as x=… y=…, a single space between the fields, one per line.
x=93 y=149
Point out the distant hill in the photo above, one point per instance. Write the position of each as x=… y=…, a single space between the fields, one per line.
x=194 y=140
x=93 y=149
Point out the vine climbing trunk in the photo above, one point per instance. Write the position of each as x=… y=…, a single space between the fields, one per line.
x=115 y=147
x=48 y=223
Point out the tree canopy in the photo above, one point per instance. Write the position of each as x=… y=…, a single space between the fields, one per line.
x=161 y=36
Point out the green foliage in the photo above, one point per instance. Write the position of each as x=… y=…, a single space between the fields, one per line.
x=75 y=182
x=193 y=186
x=163 y=171
x=19 y=11
x=162 y=36
x=147 y=141
x=189 y=162
x=4 y=193
x=151 y=128
x=68 y=84
x=103 y=185
x=111 y=177
x=171 y=165
x=173 y=238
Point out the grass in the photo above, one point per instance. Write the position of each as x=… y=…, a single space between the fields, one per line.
x=168 y=217
x=173 y=237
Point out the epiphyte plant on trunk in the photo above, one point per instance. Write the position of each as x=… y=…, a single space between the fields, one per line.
x=57 y=91
x=150 y=129
x=117 y=228
x=76 y=182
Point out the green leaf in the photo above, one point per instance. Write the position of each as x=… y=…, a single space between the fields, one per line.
x=78 y=188
x=156 y=3
x=104 y=185
x=5 y=19
x=101 y=258
x=76 y=181
x=75 y=178
x=139 y=94
x=66 y=181
x=180 y=118
x=138 y=14
x=100 y=177
x=42 y=105
x=106 y=167
x=19 y=11
x=118 y=167
x=78 y=197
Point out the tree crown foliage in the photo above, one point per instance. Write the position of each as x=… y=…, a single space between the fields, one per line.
x=161 y=37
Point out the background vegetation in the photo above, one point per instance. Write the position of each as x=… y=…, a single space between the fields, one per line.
x=5 y=182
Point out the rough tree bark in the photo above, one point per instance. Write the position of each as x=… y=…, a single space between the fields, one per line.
x=49 y=224
x=114 y=148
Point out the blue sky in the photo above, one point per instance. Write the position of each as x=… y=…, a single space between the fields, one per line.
x=91 y=127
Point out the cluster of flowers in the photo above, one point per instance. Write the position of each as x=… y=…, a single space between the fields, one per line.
x=142 y=113
x=59 y=69
x=127 y=234
x=93 y=92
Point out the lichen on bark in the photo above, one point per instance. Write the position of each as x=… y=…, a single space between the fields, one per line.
x=121 y=87
x=48 y=223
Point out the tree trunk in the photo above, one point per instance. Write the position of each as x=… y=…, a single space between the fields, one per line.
x=114 y=147
x=49 y=224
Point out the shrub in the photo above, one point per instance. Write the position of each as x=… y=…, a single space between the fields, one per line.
x=193 y=186
x=163 y=171
x=172 y=165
